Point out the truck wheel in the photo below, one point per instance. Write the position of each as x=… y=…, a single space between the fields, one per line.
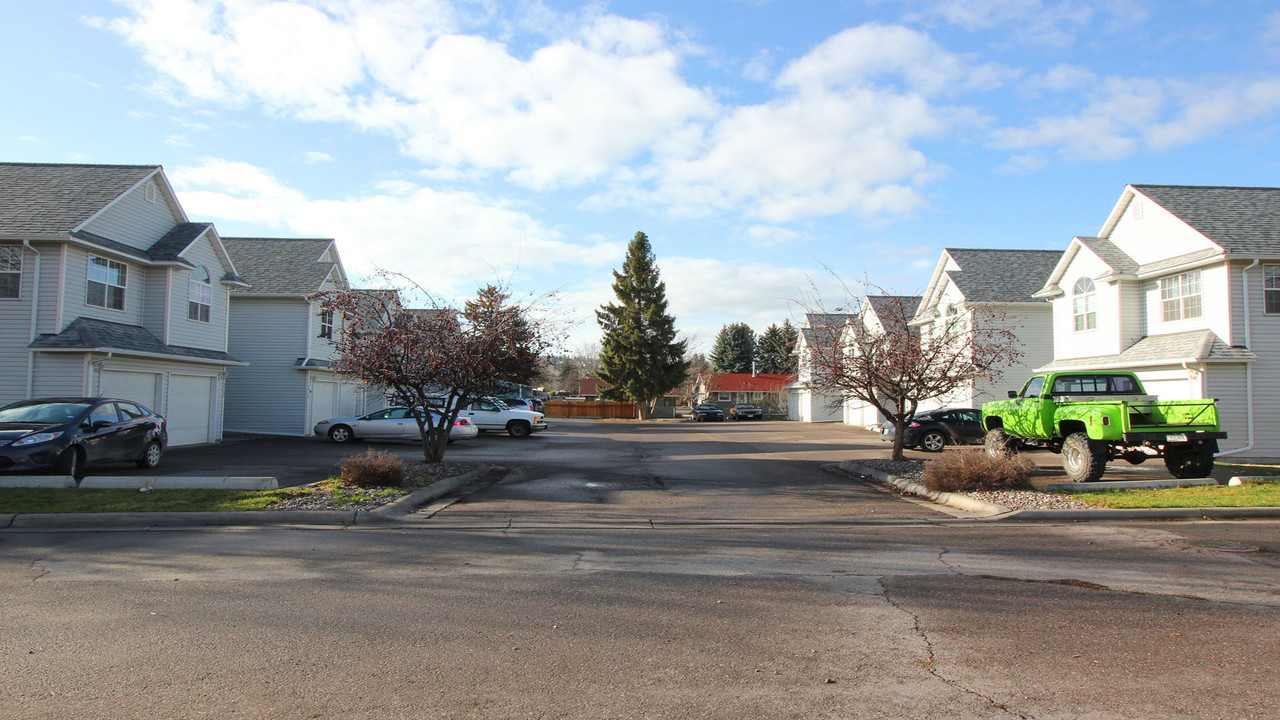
x=1186 y=464
x=933 y=441
x=999 y=444
x=1084 y=460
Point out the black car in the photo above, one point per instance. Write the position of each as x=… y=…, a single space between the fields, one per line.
x=746 y=412
x=68 y=434
x=707 y=412
x=931 y=431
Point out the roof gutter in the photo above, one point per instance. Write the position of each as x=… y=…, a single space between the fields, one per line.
x=1248 y=368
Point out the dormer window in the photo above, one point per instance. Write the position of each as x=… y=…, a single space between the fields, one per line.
x=107 y=279
x=1084 y=305
x=1180 y=296
x=199 y=295
x=10 y=272
x=326 y=324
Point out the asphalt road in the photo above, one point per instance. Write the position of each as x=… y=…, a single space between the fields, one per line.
x=649 y=570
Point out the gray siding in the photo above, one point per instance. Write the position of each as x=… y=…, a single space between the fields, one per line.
x=134 y=221
x=183 y=331
x=1265 y=342
x=155 y=305
x=59 y=374
x=270 y=395
x=15 y=333
x=75 y=292
x=1226 y=383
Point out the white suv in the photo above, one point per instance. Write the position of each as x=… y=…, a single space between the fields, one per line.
x=493 y=414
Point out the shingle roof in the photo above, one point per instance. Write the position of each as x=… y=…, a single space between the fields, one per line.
x=1001 y=275
x=894 y=311
x=1243 y=220
x=1190 y=346
x=1114 y=257
x=282 y=266
x=39 y=199
x=90 y=334
x=179 y=238
x=814 y=320
x=745 y=382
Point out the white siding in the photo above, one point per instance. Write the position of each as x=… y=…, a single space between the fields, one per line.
x=1148 y=233
x=1215 y=308
x=1034 y=329
x=270 y=395
x=183 y=331
x=318 y=347
x=77 y=260
x=1103 y=340
x=134 y=221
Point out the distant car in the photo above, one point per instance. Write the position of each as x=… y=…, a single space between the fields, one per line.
x=746 y=412
x=69 y=434
x=707 y=412
x=395 y=423
x=494 y=414
x=531 y=404
x=932 y=431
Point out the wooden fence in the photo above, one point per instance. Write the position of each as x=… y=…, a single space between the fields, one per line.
x=590 y=409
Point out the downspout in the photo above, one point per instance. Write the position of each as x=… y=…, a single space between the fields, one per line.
x=1248 y=367
x=35 y=313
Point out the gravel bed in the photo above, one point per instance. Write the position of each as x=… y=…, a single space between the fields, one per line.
x=1012 y=499
x=418 y=476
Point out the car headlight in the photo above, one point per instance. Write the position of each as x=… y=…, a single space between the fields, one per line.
x=38 y=438
x=322 y=422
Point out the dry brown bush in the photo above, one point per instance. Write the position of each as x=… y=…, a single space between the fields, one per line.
x=376 y=468
x=973 y=470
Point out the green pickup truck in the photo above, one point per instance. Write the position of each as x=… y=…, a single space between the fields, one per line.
x=1094 y=417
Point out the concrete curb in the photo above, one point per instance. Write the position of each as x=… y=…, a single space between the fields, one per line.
x=960 y=502
x=1000 y=513
x=391 y=513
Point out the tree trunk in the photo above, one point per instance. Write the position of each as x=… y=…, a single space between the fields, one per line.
x=434 y=441
x=899 y=431
x=644 y=409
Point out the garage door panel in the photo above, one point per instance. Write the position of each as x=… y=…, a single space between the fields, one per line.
x=190 y=409
x=140 y=387
x=323 y=397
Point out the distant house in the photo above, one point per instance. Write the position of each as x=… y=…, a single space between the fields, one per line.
x=278 y=325
x=806 y=402
x=589 y=388
x=108 y=288
x=1182 y=286
x=974 y=287
x=878 y=314
x=727 y=390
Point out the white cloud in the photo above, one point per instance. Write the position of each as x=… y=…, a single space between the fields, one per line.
x=315 y=157
x=449 y=242
x=1036 y=22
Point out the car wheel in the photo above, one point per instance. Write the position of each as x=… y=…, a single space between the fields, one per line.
x=519 y=429
x=150 y=456
x=68 y=463
x=341 y=434
x=933 y=441
x=1084 y=460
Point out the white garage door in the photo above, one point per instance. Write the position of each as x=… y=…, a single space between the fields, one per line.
x=323 y=394
x=139 y=387
x=190 y=409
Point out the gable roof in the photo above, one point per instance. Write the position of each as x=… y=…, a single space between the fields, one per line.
x=1242 y=220
x=1000 y=276
x=87 y=334
x=282 y=266
x=745 y=382
x=893 y=311
x=51 y=200
x=1190 y=346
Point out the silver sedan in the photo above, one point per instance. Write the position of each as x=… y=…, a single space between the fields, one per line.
x=395 y=423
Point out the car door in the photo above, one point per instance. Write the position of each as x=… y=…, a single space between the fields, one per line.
x=1025 y=420
x=967 y=426
x=135 y=424
x=380 y=425
x=101 y=433
x=485 y=415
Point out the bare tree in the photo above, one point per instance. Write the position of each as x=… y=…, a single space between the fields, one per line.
x=880 y=359
x=437 y=357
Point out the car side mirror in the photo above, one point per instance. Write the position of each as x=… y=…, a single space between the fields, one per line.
x=99 y=424
x=1013 y=394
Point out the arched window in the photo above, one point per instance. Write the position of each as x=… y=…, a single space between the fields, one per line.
x=199 y=295
x=1084 y=305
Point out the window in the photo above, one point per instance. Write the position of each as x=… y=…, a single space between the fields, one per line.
x=1094 y=385
x=129 y=411
x=1033 y=387
x=1084 y=305
x=106 y=412
x=1180 y=296
x=106 y=283
x=10 y=272
x=326 y=324
x=199 y=295
x=1270 y=288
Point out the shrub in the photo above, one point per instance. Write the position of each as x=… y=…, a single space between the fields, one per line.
x=973 y=470
x=375 y=468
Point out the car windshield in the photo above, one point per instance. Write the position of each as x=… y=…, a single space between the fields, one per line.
x=45 y=413
x=746 y=407
x=708 y=407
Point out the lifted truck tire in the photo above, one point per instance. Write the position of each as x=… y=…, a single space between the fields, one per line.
x=999 y=444
x=1084 y=460
x=1186 y=464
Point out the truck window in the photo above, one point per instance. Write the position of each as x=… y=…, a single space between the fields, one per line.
x=1124 y=385
x=1033 y=387
x=1081 y=385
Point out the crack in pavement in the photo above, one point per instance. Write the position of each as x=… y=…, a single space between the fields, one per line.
x=929 y=662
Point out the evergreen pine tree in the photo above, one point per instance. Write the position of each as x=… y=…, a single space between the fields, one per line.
x=640 y=357
x=735 y=349
x=775 y=348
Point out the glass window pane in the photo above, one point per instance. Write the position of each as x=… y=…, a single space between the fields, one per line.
x=10 y=284
x=97 y=294
x=10 y=259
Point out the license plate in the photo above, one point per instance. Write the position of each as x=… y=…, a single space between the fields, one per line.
x=1175 y=437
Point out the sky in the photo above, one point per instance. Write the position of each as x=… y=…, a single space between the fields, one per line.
x=781 y=156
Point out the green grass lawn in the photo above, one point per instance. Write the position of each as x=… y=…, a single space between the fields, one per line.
x=1255 y=494
x=76 y=500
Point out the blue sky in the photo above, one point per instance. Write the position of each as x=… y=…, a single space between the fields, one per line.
x=761 y=145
